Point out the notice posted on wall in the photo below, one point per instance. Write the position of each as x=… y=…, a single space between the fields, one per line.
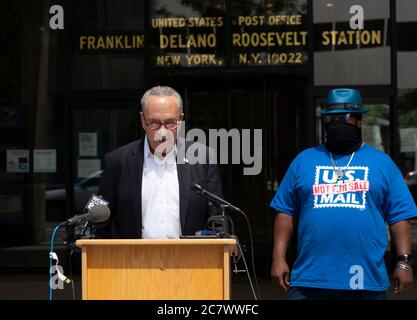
x=87 y=144
x=17 y=161
x=88 y=167
x=44 y=161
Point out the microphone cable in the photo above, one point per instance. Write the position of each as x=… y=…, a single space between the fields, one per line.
x=252 y=253
x=246 y=266
x=257 y=295
x=232 y=225
x=70 y=274
x=74 y=297
x=51 y=257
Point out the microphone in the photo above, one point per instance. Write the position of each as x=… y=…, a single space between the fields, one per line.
x=212 y=197
x=98 y=213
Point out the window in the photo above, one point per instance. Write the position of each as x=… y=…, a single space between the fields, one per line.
x=343 y=56
x=407 y=84
x=108 y=45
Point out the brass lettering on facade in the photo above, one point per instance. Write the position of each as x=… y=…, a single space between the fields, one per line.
x=254 y=21
x=288 y=20
x=168 y=60
x=351 y=37
x=189 y=60
x=187 y=41
x=270 y=39
x=111 y=42
x=192 y=22
x=178 y=41
x=201 y=59
x=184 y=34
x=265 y=42
x=205 y=22
x=168 y=23
x=282 y=58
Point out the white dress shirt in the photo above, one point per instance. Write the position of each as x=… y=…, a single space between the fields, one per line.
x=160 y=196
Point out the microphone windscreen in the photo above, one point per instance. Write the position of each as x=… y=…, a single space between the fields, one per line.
x=100 y=213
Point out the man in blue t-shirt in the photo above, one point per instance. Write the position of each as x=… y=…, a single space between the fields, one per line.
x=340 y=196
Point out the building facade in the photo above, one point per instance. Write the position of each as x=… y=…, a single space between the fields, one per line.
x=72 y=74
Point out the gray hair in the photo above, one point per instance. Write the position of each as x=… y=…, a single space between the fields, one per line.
x=161 y=91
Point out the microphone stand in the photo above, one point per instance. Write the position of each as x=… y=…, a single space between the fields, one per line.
x=218 y=223
x=225 y=234
x=223 y=204
x=73 y=232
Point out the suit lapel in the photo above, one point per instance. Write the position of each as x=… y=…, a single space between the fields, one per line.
x=184 y=175
x=135 y=164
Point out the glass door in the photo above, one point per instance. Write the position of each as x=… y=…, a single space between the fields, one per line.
x=98 y=128
x=270 y=104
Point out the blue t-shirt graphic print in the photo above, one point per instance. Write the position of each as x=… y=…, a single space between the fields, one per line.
x=349 y=192
x=342 y=234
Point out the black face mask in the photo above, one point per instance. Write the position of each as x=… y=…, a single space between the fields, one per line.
x=343 y=137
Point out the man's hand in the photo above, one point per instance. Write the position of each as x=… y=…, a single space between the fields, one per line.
x=403 y=280
x=401 y=236
x=281 y=273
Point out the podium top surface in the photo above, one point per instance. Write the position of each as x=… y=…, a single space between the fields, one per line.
x=159 y=242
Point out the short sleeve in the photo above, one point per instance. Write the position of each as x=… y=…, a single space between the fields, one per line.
x=399 y=204
x=285 y=199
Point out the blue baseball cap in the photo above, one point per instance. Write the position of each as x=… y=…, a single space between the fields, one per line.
x=344 y=101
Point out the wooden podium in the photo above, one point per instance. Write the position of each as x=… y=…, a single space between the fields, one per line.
x=183 y=269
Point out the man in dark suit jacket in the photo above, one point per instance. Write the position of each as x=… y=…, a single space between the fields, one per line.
x=156 y=202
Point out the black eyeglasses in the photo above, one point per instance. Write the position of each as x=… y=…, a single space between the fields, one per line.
x=336 y=117
x=170 y=124
x=341 y=117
